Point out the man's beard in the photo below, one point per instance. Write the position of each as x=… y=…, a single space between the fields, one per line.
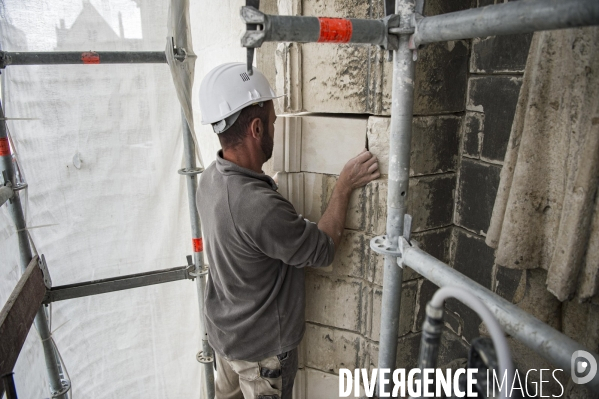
x=267 y=145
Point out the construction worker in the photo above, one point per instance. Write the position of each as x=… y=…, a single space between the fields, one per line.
x=256 y=244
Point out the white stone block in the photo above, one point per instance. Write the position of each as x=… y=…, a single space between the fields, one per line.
x=329 y=142
x=295 y=184
x=333 y=301
x=293 y=143
x=329 y=349
x=278 y=152
x=291 y=186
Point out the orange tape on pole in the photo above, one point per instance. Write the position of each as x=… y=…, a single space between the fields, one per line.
x=335 y=30
x=198 y=244
x=4 y=146
x=90 y=57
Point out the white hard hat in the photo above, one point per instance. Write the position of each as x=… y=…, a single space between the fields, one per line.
x=227 y=89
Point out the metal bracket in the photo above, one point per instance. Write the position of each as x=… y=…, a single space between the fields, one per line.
x=66 y=386
x=45 y=272
x=5 y=59
x=204 y=359
x=381 y=245
x=190 y=171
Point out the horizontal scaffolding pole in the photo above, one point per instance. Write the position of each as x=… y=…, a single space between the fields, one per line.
x=18 y=314
x=82 y=57
x=505 y=19
x=103 y=286
x=538 y=336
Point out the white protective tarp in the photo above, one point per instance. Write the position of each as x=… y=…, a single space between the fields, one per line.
x=104 y=196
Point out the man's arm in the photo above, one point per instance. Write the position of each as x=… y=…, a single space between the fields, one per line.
x=356 y=173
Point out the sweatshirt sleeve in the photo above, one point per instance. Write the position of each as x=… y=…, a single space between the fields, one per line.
x=274 y=228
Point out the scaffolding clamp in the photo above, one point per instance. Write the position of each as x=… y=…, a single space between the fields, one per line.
x=381 y=244
x=66 y=387
x=190 y=171
x=204 y=359
x=301 y=29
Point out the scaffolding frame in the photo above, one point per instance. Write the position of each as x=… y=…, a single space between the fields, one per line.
x=24 y=305
x=403 y=33
x=406 y=32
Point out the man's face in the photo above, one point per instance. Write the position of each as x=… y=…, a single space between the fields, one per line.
x=267 y=142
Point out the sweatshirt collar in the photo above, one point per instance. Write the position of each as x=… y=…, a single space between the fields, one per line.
x=229 y=168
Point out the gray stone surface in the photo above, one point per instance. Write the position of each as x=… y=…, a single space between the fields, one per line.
x=496 y=97
x=329 y=349
x=500 y=54
x=435 y=143
x=476 y=193
x=430 y=201
x=473 y=258
x=406 y=314
x=474 y=123
x=334 y=301
x=441 y=78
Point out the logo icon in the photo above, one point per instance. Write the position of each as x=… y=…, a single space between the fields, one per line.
x=583 y=367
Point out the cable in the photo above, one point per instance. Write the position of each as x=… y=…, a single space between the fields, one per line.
x=501 y=347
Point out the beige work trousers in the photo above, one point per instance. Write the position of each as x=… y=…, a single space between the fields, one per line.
x=270 y=378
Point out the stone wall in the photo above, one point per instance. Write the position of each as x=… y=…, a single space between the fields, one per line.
x=336 y=102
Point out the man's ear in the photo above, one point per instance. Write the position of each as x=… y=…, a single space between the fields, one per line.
x=256 y=128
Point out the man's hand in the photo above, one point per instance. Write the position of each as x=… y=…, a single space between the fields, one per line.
x=356 y=173
x=359 y=171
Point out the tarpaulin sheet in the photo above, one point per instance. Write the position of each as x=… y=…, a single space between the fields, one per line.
x=104 y=196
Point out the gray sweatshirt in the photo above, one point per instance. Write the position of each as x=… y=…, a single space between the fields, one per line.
x=256 y=245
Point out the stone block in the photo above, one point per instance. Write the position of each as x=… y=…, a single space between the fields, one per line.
x=375 y=194
x=357 y=79
x=437 y=7
x=435 y=143
x=470 y=319
x=500 y=54
x=406 y=314
x=408 y=347
x=436 y=243
x=507 y=282
x=476 y=193
x=473 y=258
x=334 y=301
x=329 y=142
x=441 y=78
x=329 y=349
x=293 y=143
x=278 y=151
x=474 y=123
x=351 y=256
x=496 y=97
x=291 y=186
x=318 y=189
x=452 y=347
x=430 y=201
x=426 y=291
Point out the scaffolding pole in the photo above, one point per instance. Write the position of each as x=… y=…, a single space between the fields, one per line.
x=402 y=102
x=81 y=57
x=506 y=19
x=206 y=355
x=553 y=345
x=16 y=211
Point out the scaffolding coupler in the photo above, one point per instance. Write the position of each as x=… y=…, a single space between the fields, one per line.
x=300 y=29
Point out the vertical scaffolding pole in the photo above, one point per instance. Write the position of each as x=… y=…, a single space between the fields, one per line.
x=206 y=356
x=399 y=170
x=16 y=211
